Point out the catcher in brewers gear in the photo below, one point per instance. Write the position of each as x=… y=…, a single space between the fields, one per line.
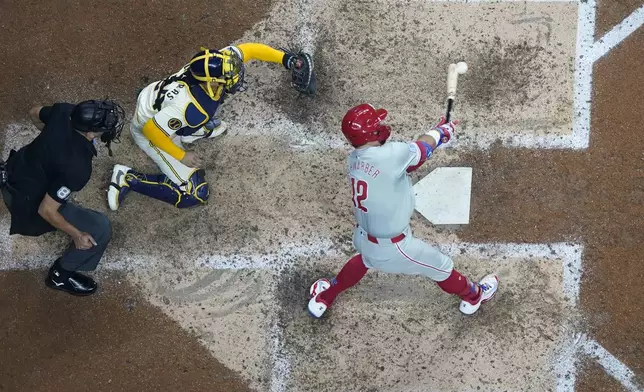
x=182 y=109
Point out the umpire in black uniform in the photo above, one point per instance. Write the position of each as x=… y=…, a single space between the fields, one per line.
x=41 y=176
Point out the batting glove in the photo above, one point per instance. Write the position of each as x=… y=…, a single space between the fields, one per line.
x=443 y=131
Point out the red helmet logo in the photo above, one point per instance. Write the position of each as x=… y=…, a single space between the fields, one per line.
x=361 y=125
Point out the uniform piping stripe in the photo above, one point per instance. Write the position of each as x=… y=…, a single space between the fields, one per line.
x=418 y=262
x=167 y=163
x=154 y=120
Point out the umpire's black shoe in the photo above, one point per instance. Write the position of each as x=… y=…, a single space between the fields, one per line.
x=70 y=282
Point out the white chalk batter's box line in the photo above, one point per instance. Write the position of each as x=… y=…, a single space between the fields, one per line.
x=570 y=255
x=287 y=256
x=489 y=1
x=587 y=52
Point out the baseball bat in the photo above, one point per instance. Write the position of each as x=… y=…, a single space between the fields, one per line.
x=452 y=81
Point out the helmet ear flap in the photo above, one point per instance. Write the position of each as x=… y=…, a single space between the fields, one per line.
x=384 y=131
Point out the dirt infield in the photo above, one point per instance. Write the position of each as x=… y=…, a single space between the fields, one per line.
x=212 y=299
x=611 y=12
x=115 y=341
x=571 y=197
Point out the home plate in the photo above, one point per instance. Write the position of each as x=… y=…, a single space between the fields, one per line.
x=443 y=196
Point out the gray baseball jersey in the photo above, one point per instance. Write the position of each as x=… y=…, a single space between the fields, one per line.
x=383 y=196
x=383 y=203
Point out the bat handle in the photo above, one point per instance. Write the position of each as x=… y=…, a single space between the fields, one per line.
x=450 y=105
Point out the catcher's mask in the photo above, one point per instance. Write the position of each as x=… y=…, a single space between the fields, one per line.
x=225 y=67
x=106 y=117
x=361 y=125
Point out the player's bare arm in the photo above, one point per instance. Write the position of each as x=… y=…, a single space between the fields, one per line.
x=34 y=116
x=48 y=210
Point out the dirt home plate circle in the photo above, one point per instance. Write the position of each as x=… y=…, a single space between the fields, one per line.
x=233 y=275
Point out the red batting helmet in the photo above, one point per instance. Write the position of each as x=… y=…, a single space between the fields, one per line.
x=361 y=125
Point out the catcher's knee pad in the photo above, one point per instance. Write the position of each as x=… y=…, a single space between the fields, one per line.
x=196 y=191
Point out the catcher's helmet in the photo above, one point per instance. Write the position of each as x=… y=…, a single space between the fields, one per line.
x=361 y=125
x=222 y=66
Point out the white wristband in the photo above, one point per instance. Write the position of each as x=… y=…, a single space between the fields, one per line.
x=435 y=135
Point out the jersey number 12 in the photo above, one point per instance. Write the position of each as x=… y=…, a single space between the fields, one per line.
x=359 y=193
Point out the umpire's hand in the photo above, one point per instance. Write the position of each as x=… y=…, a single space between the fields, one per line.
x=84 y=241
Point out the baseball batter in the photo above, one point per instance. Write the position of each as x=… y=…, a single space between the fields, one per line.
x=182 y=109
x=383 y=203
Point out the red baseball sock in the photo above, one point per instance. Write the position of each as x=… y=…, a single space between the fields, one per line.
x=461 y=286
x=352 y=272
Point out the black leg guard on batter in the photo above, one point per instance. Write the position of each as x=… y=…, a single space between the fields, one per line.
x=158 y=186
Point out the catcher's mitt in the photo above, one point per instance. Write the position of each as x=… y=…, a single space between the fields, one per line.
x=302 y=76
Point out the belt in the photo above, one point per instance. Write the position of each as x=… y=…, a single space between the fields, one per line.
x=373 y=239
x=393 y=240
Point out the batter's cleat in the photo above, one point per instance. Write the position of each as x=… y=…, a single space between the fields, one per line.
x=317 y=306
x=70 y=282
x=118 y=187
x=489 y=285
x=203 y=134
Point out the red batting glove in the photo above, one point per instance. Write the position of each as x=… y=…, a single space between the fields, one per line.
x=446 y=129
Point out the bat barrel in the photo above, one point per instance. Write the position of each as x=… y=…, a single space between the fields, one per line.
x=452 y=81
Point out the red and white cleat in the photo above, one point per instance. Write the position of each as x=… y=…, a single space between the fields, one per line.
x=317 y=307
x=489 y=285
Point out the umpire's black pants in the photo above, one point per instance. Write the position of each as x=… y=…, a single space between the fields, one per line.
x=88 y=221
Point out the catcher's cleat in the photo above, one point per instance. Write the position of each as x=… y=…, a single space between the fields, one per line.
x=202 y=134
x=317 y=306
x=488 y=285
x=118 y=187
